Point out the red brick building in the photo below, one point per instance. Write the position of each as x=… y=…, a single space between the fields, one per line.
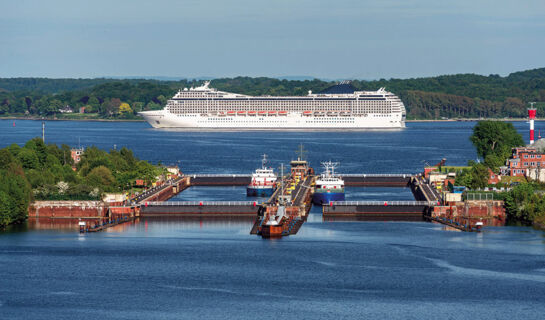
x=76 y=154
x=525 y=158
x=493 y=178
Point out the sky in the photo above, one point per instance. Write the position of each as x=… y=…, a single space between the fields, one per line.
x=335 y=39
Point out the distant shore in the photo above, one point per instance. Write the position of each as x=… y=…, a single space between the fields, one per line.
x=142 y=120
x=82 y=119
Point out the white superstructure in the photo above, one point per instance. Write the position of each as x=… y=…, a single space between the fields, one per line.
x=205 y=107
x=328 y=180
x=264 y=177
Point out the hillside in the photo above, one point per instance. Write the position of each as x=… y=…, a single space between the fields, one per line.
x=451 y=96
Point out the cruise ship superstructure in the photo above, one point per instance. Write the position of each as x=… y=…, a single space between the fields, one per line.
x=338 y=107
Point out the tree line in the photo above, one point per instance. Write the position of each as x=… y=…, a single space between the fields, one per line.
x=450 y=96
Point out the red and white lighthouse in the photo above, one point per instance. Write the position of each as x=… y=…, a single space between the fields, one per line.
x=532 y=116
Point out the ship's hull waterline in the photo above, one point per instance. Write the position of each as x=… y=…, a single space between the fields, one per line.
x=162 y=119
x=259 y=192
x=324 y=198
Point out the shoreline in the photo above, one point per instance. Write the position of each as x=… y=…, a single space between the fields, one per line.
x=53 y=119
x=142 y=120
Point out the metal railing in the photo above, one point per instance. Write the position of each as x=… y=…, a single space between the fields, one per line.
x=201 y=203
x=378 y=175
x=382 y=203
x=235 y=175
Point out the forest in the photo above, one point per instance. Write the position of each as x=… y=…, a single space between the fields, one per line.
x=448 y=96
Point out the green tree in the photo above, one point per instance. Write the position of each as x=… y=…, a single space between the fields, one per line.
x=464 y=178
x=524 y=203
x=5 y=158
x=495 y=139
x=5 y=208
x=100 y=177
x=28 y=159
x=479 y=176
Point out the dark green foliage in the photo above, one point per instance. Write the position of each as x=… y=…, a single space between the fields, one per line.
x=45 y=172
x=525 y=202
x=479 y=174
x=494 y=141
x=100 y=177
x=15 y=194
x=5 y=159
x=474 y=178
x=463 y=178
x=452 y=96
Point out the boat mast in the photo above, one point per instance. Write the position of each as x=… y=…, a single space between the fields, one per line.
x=264 y=161
x=301 y=152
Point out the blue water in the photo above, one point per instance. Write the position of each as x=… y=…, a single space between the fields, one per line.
x=238 y=193
x=213 y=269
x=375 y=151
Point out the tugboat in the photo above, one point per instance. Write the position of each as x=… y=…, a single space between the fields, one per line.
x=263 y=181
x=329 y=187
x=273 y=224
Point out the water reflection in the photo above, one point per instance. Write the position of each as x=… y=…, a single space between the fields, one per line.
x=151 y=223
x=374 y=218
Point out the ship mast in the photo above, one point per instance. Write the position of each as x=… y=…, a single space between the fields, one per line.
x=329 y=168
x=264 y=161
x=301 y=152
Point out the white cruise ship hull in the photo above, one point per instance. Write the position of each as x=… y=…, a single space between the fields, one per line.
x=165 y=119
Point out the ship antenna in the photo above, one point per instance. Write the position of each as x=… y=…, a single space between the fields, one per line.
x=301 y=152
x=330 y=168
x=264 y=161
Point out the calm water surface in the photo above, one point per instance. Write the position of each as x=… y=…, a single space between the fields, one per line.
x=213 y=269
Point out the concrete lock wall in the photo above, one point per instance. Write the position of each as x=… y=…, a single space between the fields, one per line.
x=472 y=209
x=198 y=210
x=374 y=210
x=67 y=209
x=377 y=181
x=220 y=181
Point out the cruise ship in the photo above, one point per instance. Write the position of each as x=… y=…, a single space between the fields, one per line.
x=338 y=107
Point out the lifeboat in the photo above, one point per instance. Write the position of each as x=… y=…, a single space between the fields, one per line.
x=332 y=113
x=221 y=114
x=307 y=113
x=241 y=113
x=344 y=113
x=283 y=113
x=262 y=113
x=272 y=113
x=252 y=113
x=319 y=113
x=231 y=113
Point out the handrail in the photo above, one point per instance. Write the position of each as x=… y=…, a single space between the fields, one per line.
x=234 y=175
x=377 y=175
x=201 y=203
x=383 y=203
